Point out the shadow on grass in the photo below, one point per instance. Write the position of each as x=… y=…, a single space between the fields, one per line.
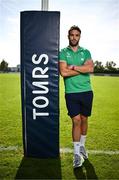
x=79 y=174
x=87 y=171
x=33 y=168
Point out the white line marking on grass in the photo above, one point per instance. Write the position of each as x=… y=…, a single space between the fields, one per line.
x=8 y=148
x=103 y=152
x=69 y=150
x=63 y=150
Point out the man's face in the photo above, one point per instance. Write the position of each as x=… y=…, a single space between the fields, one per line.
x=74 y=38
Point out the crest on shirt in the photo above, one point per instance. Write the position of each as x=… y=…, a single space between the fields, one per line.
x=68 y=55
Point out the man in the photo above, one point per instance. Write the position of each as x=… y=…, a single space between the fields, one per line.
x=75 y=67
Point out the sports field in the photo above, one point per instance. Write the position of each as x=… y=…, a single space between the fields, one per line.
x=102 y=141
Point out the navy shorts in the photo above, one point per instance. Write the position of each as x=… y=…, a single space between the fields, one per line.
x=79 y=103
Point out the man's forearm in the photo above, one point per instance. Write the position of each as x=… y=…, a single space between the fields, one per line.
x=69 y=72
x=84 y=69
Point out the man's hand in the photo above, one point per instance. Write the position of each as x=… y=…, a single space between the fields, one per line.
x=71 y=67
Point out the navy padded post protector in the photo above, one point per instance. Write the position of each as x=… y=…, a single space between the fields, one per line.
x=40 y=83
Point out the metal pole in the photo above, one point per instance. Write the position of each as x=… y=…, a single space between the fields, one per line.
x=44 y=5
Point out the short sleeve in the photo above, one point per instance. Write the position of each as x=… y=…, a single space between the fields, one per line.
x=62 y=55
x=87 y=55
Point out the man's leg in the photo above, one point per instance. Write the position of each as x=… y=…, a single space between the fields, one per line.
x=76 y=134
x=84 y=128
x=84 y=124
x=76 y=128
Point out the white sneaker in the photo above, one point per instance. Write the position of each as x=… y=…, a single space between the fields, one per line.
x=78 y=161
x=83 y=152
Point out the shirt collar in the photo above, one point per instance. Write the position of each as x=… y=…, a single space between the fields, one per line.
x=78 y=50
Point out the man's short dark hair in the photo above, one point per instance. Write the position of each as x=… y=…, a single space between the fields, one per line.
x=74 y=28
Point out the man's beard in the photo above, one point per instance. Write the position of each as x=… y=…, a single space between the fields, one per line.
x=73 y=43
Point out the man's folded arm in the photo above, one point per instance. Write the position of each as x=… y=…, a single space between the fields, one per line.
x=67 y=71
x=88 y=67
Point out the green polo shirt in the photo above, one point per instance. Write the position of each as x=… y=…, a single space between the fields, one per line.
x=81 y=82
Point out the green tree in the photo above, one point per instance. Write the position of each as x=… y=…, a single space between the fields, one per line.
x=3 y=66
x=98 y=66
x=110 y=66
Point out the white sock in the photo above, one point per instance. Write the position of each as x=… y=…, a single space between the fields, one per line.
x=82 y=140
x=76 y=147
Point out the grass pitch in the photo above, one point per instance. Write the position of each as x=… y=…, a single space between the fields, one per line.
x=103 y=134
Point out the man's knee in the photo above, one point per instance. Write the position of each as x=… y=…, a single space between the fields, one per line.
x=84 y=118
x=76 y=120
